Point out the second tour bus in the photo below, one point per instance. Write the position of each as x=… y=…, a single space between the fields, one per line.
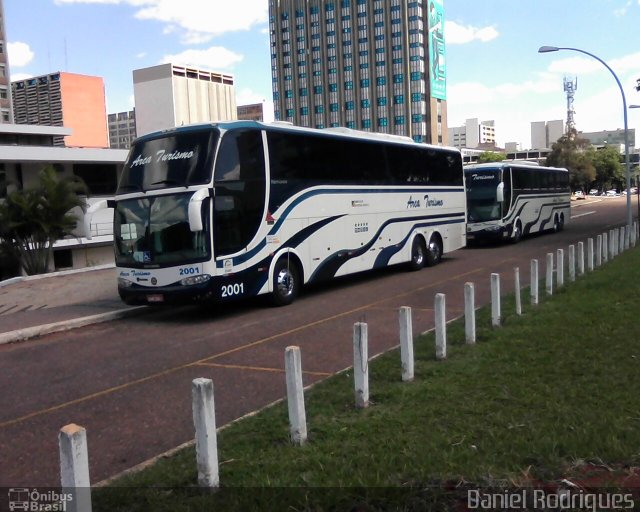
x=236 y=209
x=508 y=200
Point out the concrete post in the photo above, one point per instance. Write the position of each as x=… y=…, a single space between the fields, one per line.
x=605 y=247
x=560 y=268
x=549 y=276
x=621 y=235
x=74 y=467
x=469 y=314
x=598 y=250
x=406 y=343
x=534 y=283
x=572 y=263
x=516 y=272
x=441 y=326
x=495 y=300
x=580 y=258
x=627 y=237
x=295 y=396
x=361 y=364
x=204 y=420
x=590 y=254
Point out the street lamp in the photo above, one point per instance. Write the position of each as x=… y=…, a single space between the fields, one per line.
x=547 y=49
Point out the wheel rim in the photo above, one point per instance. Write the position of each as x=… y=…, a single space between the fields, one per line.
x=434 y=249
x=418 y=253
x=517 y=233
x=285 y=282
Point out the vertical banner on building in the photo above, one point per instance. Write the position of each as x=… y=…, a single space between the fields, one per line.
x=438 y=73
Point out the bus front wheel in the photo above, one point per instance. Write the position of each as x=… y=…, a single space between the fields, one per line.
x=286 y=282
x=434 y=251
x=517 y=233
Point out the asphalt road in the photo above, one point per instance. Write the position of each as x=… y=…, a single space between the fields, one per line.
x=128 y=382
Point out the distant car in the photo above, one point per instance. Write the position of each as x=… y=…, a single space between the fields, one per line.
x=594 y=192
x=579 y=194
x=611 y=193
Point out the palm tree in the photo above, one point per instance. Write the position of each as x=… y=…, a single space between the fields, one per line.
x=31 y=220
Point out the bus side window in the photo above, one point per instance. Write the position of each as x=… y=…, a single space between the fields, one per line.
x=506 y=179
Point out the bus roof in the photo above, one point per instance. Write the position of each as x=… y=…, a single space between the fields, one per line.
x=502 y=165
x=286 y=126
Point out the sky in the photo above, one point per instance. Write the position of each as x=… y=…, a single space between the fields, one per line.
x=494 y=70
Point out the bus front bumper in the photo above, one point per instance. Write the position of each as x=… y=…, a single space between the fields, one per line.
x=488 y=233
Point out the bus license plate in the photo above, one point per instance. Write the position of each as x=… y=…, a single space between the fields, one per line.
x=157 y=297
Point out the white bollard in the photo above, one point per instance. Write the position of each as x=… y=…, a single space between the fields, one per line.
x=621 y=231
x=469 y=314
x=560 y=268
x=516 y=272
x=632 y=239
x=580 y=258
x=295 y=395
x=549 y=275
x=441 y=326
x=495 y=300
x=534 y=283
x=590 y=254
x=406 y=343
x=612 y=243
x=361 y=364
x=572 y=263
x=605 y=245
x=598 y=250
x=204 y=420
x=627 y=237
x=74 y=468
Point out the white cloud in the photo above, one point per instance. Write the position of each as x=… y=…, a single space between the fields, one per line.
x=20 y=54
x=16 y=77
x=215 y=58
x=199 y=19
x=460 y=34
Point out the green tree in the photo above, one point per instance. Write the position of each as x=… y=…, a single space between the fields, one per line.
x=490 y=156
x=574 y=154
x=610 y=173
x=32 y=219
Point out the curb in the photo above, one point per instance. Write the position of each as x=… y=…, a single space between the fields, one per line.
x=66 y=325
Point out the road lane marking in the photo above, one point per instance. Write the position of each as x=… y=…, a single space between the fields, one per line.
x=259 y=369
x=582 y=215
x=205 y=360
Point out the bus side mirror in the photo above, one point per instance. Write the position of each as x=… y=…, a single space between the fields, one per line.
x=195 y=209
x=500 y=193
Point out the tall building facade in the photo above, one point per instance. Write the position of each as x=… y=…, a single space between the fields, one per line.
x=372 y=65
x=545 y=134
x=472 y=134
x=64 y=99
x=169 y=95
x=122 y=129
x=6 y=111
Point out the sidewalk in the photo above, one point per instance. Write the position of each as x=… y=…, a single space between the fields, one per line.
x=37 y=305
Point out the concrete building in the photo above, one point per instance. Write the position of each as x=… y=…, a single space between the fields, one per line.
x=122 y=129
x=6 y=111
x=473 y=134
x=252 y=112
x=544 y=134
x=609 y=137
x=376 y=66
x=27 y=149
x=67 y=100
x=168 y=95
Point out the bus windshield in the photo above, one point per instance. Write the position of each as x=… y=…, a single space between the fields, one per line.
x=155 y=231
x=481 y=187
x=177 y=160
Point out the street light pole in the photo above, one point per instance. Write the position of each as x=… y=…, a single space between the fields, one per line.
x=547 y=49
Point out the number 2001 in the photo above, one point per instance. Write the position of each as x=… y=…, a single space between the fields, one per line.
x=229 y=290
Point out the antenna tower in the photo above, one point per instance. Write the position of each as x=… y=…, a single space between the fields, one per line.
x=570 y=87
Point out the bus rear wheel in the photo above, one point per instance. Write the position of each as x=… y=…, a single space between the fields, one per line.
x=286 y=282
x=418 y=254
x=434 y=251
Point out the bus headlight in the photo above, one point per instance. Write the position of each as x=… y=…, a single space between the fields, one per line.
x=124 y=283
x=191 y=280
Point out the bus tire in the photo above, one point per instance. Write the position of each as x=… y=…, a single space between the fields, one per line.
x=561 y=224
x=286 y=282
x=418 y=254
x=434 y=250
x=517 y=233
x=556 y=224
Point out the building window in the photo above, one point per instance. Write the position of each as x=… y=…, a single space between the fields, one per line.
x=364 y=82
x=382 y=121
x=366 y=123
x=349 y=105
x=398 y=120
x=398 y=99
x=365 y=103
x=348 y=85
x=319 y=109
x=381 y=101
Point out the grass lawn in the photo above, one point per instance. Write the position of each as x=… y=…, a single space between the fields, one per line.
x=533 y=400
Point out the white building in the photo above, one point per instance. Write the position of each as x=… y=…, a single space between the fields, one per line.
x=168 y=95
x=545 y=134
x=472 y=134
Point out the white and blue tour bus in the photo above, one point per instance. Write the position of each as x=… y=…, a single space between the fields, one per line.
x=236 y=209
x=508 y=200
